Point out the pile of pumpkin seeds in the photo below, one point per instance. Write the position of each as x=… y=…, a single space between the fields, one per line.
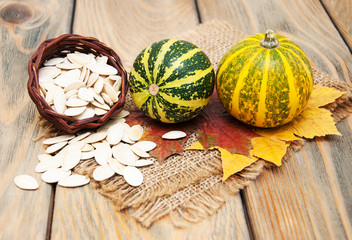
x=79 y=85
x=115 y=146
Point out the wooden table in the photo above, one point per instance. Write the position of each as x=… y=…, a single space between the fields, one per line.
x=309 y=197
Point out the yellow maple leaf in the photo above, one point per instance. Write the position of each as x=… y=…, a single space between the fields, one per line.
x=322 y=96
x=269 y=149
x=314 y=122
x=233 y=163
x=281 y=133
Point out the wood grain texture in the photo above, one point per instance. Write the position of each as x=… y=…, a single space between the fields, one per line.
x=128 y=27
x=23 y=25
x=340 y=12
x=82 y=213
x=305 y=22
x=309 y=196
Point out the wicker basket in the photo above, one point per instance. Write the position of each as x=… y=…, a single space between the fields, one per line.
x=60 y=46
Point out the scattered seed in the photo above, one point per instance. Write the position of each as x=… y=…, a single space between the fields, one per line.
x=54 y=175
x=143 y=163
x=116 y=166
x=74 y=180
x=55 y=147
x=140 y=152
x=135 y=132
x=102 y=173
x=145 y=145
x=26 y=182
x=133 y=176
x=102 y=153
x=174 y=135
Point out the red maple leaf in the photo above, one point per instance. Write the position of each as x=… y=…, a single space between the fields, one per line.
x=154 y=131
x=214 y=127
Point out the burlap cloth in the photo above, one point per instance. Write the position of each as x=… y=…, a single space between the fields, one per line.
x=189 y=187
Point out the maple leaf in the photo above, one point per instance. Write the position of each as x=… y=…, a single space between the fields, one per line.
x=322 y=96
x=314 y=122
x=215 y=127
x=269 y=149
x=232 y=163
x=153 y=131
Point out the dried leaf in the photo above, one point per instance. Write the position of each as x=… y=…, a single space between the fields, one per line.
x=281 y=133
x=216 y=127
x=153 y=132
x=322 y=96
x=269 y=149
x=316 y=122
x=233 y=163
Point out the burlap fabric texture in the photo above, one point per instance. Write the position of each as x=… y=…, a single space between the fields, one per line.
x=188 y=187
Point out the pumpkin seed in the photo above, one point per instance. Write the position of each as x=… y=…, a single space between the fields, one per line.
x=115 y=134
x=54 y=175
x=53 y=61
x=60 y=101
x=71 y=158
x=145 y=145
x=26 y=182
x=57 y=139
x=85 y=94
x=55 y=147
x=133 y=176
x=76 y=102
x=116 y=166
x=139 y=151
x=79 y=137
x=51 y=72
x=98 y=85
x=88 y=113
x=174 y=135
x=102 y=173
x=79 y=58
x=74 y=180
x=110 y=92
x=96 y=137
x=74 y=111
x=135 y=132
x=68 y=65
x=87 y=155
x=98 y=111
x=102 y=153
x=68 y=77
x=48 y=164
x=73 y=85
x=102 y=69
x=143 y=163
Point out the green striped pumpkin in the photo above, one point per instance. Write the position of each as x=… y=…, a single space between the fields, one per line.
x=264 y=80
x=172 y=81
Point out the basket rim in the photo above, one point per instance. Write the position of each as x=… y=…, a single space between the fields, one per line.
x=54 y=47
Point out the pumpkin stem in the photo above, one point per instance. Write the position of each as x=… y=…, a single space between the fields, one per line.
x=270 y=41
x=153 y=89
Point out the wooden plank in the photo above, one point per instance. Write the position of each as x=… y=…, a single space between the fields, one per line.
x=23 y=214
x=340 y=13
x=82 y=213
x=305 y=22
x=128 y=27
x=308 y=197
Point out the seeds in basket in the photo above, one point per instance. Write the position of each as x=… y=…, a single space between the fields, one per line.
x=80 y=85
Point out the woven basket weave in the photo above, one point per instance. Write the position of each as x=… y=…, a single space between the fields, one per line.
x=58 y=47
